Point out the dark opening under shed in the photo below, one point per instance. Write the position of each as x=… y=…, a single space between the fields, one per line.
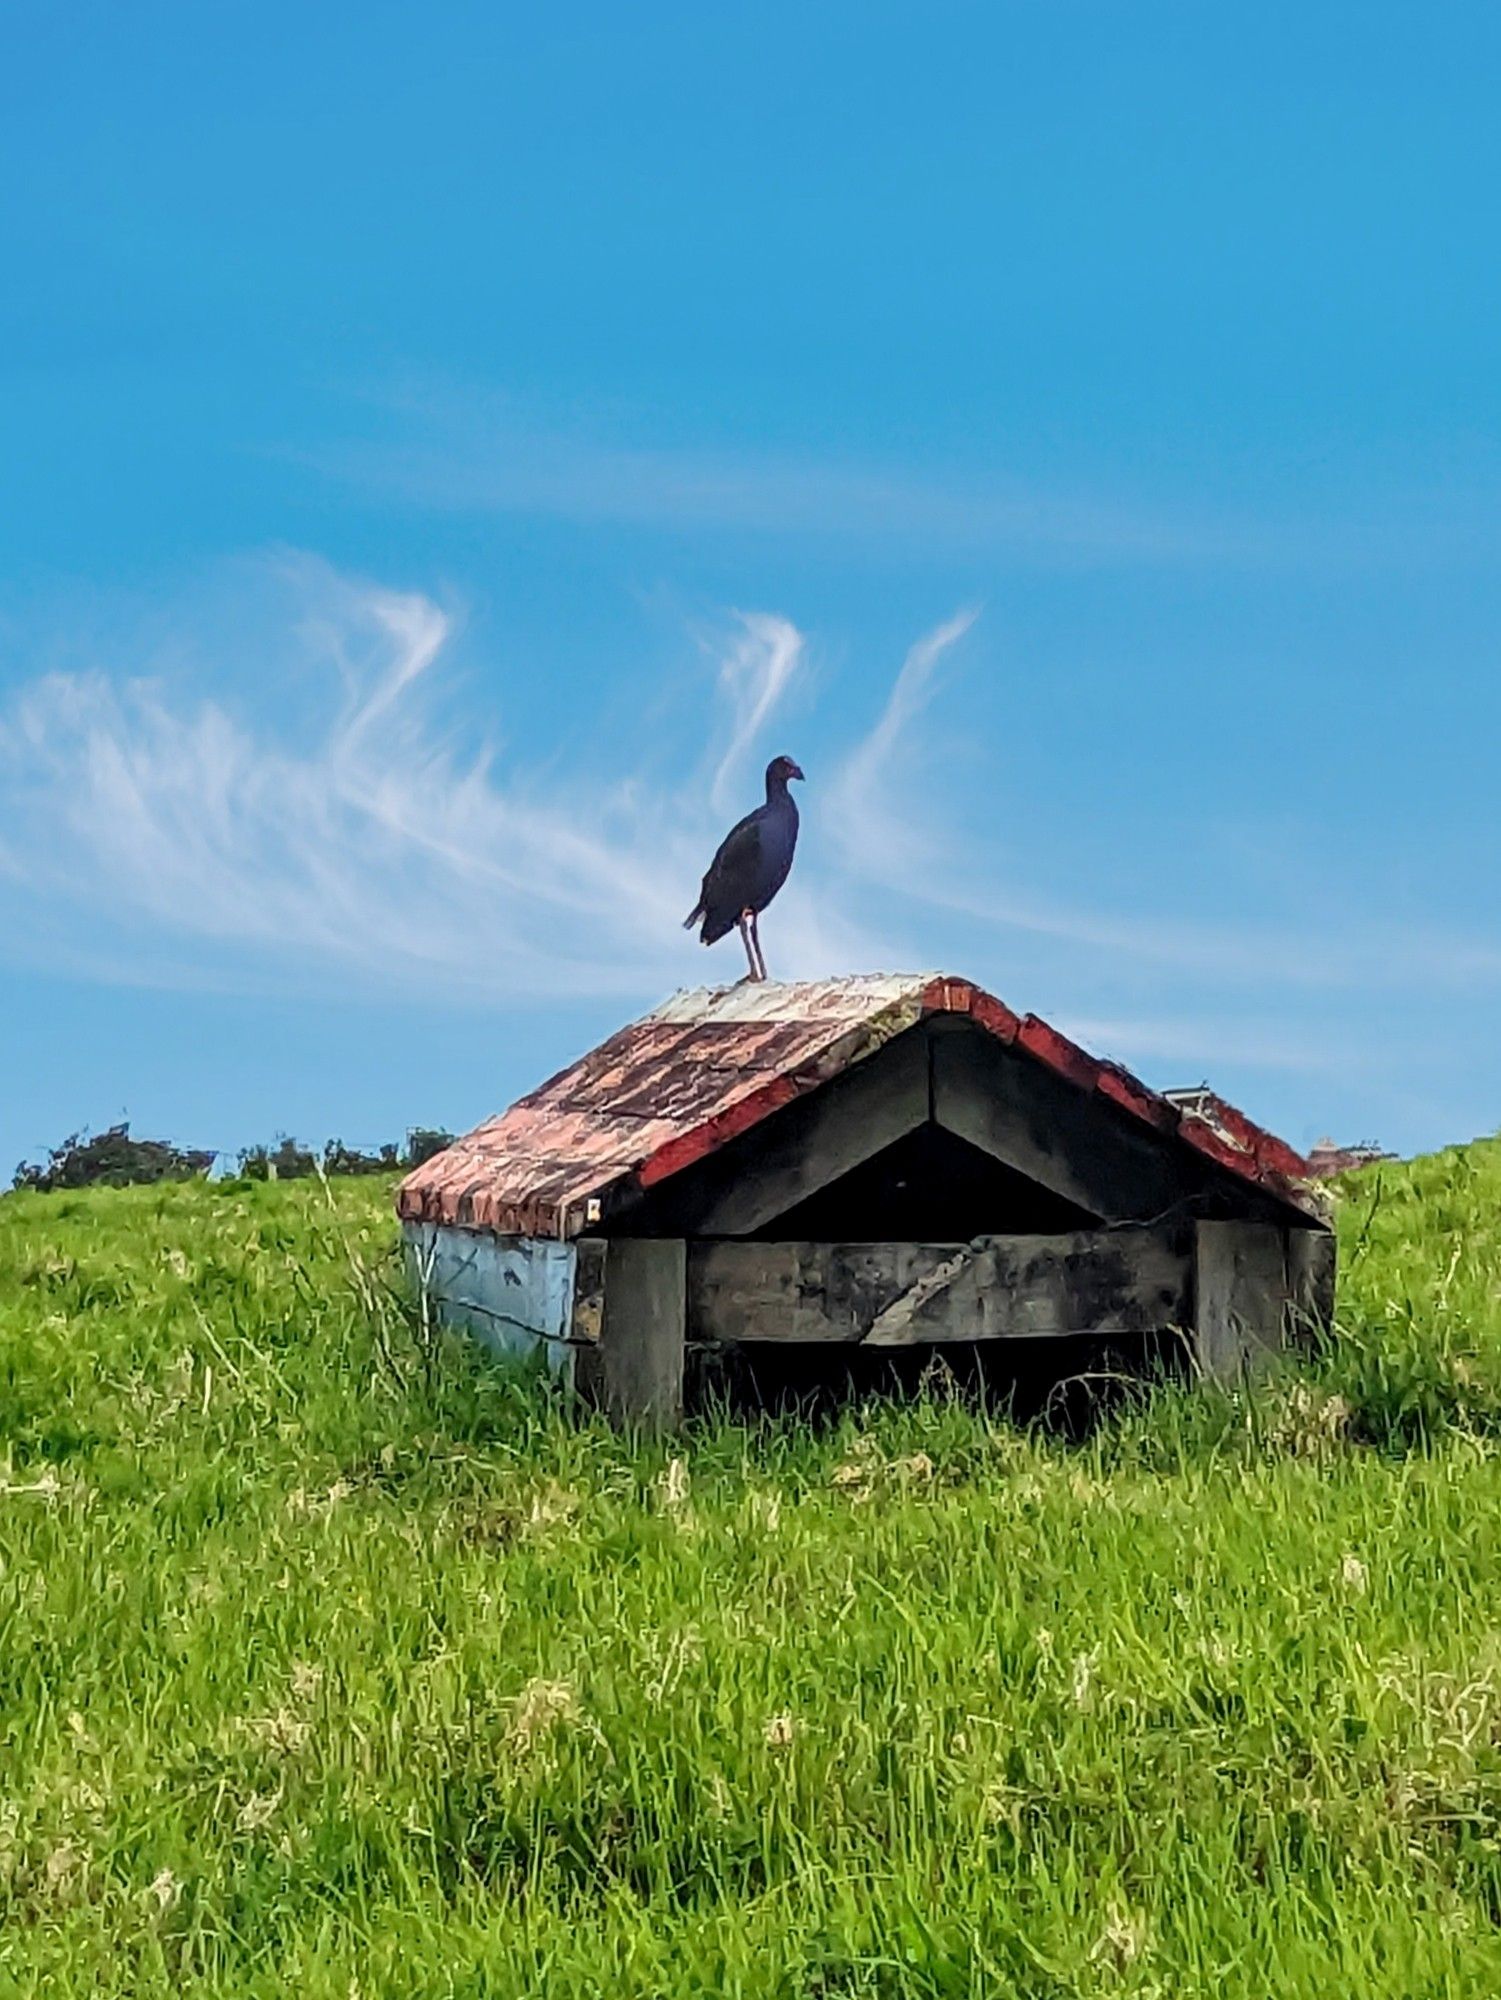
x=877 y=1164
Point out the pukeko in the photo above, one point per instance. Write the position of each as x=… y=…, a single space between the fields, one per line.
x=752 y=864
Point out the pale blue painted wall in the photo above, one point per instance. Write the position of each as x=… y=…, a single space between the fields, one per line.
x=514 y=1293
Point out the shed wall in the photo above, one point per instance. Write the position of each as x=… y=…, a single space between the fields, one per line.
x=514 y=1293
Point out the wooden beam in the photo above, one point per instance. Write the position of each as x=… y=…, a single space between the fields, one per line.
x=1242 y=1295
x=814 y=1140
x=1078 y=1146
x=636 y=1371
x=1117 y=1281
x=1121 y=1281
x=740 y=1291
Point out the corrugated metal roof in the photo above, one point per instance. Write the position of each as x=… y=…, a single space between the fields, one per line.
x=709 y=1064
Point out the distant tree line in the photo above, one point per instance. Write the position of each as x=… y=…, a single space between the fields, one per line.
x=287 y=1161
x=110 y=1159
x=113 y=1158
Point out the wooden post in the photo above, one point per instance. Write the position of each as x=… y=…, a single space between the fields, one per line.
x=1310 y=1279
x=1241 y=1295
x=637 y=1368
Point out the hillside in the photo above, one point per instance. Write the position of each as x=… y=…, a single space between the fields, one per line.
x=334 y=1664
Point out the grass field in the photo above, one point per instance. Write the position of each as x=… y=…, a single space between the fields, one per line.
x=332 y=1666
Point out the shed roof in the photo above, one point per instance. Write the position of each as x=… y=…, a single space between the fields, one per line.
x=709 y=1064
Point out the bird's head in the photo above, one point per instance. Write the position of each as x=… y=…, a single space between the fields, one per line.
x=780 y=769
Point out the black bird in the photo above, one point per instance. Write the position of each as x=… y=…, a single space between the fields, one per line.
x=752 y=864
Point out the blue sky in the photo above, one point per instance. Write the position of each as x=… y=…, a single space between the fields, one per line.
x=449 y=449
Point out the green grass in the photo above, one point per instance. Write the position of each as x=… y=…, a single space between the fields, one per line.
x=331 y=1666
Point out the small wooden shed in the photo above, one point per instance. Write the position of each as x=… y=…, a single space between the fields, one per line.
x=881 y=1161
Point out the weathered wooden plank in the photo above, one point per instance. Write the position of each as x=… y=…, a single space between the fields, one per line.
x=636 y=1371
x=741 y=1291
x=815 y=1140
x=1120 y=1281
x=1242 y=1295
x=1311 y=1273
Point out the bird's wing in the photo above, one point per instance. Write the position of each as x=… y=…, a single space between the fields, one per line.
x=732 y=872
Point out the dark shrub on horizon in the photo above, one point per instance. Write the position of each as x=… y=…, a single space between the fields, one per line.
x=341 y=1159
x=285 y=1161
x=111 y=1158
x=423 y=1142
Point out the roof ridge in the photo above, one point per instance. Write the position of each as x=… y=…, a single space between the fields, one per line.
x=710 y=1062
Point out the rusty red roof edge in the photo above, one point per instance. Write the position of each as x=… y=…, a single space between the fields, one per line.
x=718 y=1130
x=452 y=1188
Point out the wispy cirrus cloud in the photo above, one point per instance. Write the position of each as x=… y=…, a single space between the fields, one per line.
x=940 y=866
x=325 y=826
x=875 y=834
x=465 y=449
x=754 y=673
x=344 y=835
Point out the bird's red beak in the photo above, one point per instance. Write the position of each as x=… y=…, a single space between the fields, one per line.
x=795 y=770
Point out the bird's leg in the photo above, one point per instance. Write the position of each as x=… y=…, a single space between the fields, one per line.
x=745 y=920
x=755 y=931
